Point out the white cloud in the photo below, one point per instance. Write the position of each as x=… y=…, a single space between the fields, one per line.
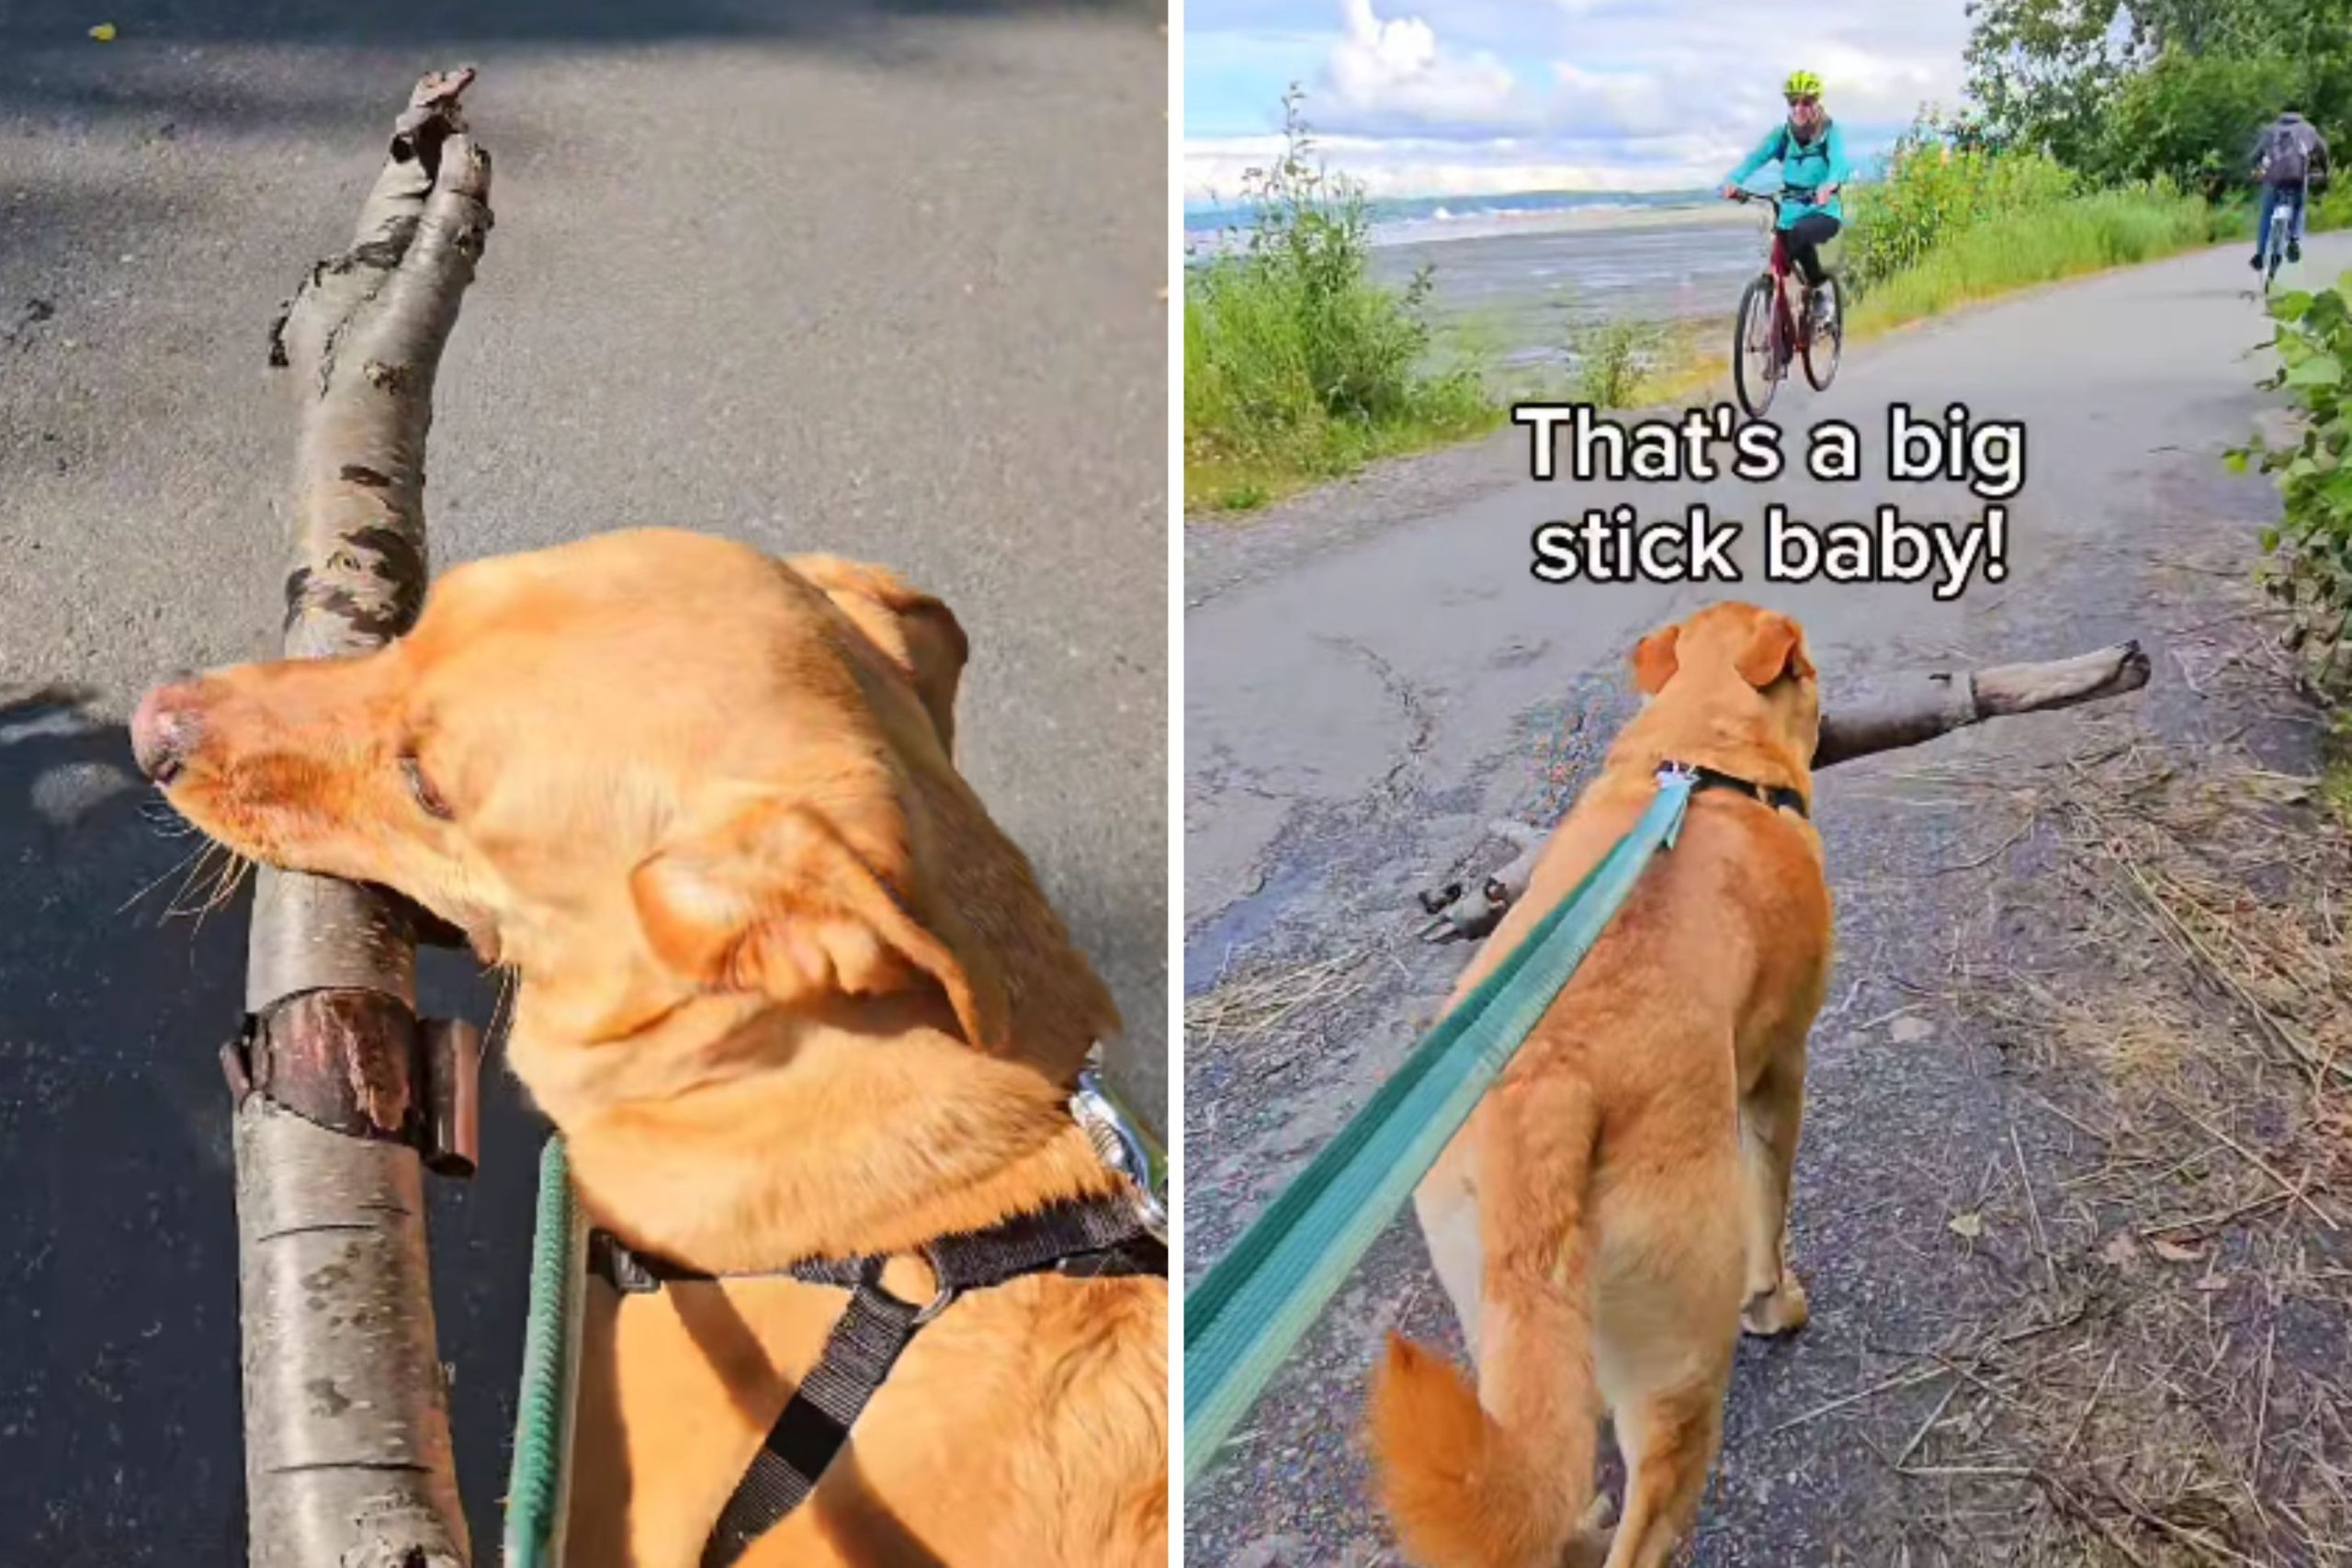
x=1395 y=69
x=1463 y=96
x=1214 y=167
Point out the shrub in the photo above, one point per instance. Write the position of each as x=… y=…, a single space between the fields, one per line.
x=1612 y=357
x=2312 y=543
x=1296 y=363
x=1932 y=194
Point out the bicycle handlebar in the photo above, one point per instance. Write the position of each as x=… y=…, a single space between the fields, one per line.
x=1806 y=194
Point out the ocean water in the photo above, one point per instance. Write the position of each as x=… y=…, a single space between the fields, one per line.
x=1517 y=276
x=1522 y=296
x=1406 y=220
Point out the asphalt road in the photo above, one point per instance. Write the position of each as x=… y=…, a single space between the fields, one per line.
x=1372 y=674
x=881 y=278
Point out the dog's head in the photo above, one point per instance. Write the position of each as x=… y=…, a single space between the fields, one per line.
x=649 y=769
x=1739 y=659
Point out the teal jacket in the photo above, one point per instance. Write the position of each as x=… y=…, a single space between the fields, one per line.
x=1806 y=164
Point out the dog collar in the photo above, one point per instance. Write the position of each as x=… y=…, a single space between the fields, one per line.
x=1121 y=1142
x=1702 y=777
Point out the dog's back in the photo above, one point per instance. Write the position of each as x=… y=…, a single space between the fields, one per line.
x=1591 y=1223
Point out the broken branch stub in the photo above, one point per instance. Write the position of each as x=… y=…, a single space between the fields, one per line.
x=347 y=1450
x=363 y=337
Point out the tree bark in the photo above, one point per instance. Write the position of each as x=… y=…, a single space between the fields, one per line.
x=347 y=1454
x=1916 y=709
x=1921 y=707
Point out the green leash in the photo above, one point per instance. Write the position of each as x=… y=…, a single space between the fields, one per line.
x=1263 y=1294
x=538 y=1489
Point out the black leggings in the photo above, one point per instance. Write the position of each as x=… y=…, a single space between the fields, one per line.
x=1804 y=239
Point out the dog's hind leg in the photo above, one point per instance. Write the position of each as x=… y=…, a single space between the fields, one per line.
x=1666 y=1325
x=1770 y=1117
x=1499 y=1476
x=1447 y=1204
x=1670 y=1441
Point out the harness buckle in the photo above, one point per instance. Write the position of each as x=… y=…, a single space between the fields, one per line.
x=944 y=1294
x=611 y=1257
x=1121 y=1144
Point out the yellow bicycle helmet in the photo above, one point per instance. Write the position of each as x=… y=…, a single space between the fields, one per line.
x=1801 y=83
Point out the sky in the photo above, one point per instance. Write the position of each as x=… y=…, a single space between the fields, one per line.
x=1462 y=97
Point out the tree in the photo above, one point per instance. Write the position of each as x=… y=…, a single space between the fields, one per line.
x=2129 y=89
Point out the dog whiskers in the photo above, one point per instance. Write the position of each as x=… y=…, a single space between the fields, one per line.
x=166 y=822
x=502 y=1010
x=207 y=862
x=225 y=884
x=193 y=858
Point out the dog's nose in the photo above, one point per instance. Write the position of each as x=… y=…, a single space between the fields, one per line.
x=165 y=728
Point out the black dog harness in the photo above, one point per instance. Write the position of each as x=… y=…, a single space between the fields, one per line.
x=1094 y=1238
x=1776 y=795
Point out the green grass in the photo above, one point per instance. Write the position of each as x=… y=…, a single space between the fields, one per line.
x=2065 y=239
x=1298 y=364
x=1299 y=367
x=1285 y=387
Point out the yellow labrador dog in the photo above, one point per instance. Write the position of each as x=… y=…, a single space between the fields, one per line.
x=1615 y=1211
x=790 y=995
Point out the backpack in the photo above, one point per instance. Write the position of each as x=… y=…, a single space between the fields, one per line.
x=1789 y=145
x=2290 y=156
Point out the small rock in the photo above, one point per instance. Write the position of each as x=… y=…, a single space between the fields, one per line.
x=1910 y=1028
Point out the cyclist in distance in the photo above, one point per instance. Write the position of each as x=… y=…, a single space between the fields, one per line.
x=2289 y=153
x=1811 y=152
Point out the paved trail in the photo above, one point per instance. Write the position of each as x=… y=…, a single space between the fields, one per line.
x=878 y=277
x=1372 y=674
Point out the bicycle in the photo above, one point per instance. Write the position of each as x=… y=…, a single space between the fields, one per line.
x=2282 y=229
x=1767 y=336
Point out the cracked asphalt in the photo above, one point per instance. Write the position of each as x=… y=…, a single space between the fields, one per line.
x=882 y=277
x=1373 y=675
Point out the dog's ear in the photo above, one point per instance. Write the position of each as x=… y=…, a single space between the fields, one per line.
x=786 y=900
x=1654 y=661
x=1775 y=647
x=917 y=633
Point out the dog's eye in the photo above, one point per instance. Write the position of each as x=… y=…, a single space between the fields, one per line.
x=428 y=799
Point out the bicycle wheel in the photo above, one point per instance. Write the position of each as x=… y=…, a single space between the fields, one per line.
x=1828 y=343
x=1754 y=348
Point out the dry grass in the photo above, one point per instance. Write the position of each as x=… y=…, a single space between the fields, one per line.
x=2168 y=1378
x=1259 y=1003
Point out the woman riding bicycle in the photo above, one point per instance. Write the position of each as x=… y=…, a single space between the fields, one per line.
x=1811 y=152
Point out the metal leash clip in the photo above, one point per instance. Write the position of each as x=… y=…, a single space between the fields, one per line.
x=1120 y=1142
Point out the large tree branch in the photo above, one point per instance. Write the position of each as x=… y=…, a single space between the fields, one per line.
x=1916 y=709
x=347 y=1452
x=1921 y=707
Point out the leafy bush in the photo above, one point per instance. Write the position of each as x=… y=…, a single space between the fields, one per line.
x=2330 y=208
x=1612 y=357
x=2134 y=89
x=2188 y=118
x=1933 y=194
x=2312 y=543
x=1296 y=363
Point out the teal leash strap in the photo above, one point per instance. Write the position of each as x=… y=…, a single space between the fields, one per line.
x=540 y=1484
x=1259 y=1299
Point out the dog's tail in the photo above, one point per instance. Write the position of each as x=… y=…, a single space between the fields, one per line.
x=1467 y=1488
